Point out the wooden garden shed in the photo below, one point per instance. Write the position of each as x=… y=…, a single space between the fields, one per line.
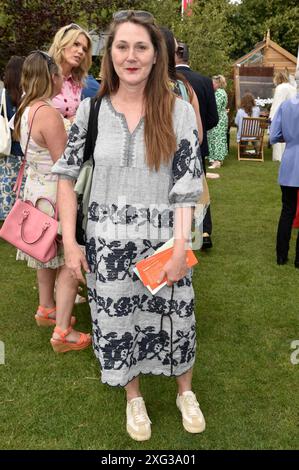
x=254 y=71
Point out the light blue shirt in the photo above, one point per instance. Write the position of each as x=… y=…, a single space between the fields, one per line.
x=239 y=118
x=285 y=128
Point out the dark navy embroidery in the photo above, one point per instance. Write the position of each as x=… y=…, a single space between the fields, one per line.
x=158 y=305
x=151 y=343
x=118 y=259
x=73 y=151
x=93 y=212
x=181 y=160
x=123 y=306
x=186 y=281
x=185 y=344
x=91 y=253
x=151 y=304
x=184 y=162
x=116 y=351
x=130 y=215
x=122 y=350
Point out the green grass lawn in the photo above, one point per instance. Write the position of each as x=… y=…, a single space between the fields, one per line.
x=247 y=317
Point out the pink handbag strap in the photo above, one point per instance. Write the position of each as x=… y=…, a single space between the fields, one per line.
x=44 y=228
x=17 y=186
x=54 y=206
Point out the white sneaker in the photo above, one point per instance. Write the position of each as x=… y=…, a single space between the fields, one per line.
x=212 y=176
x=215 y=164
x=193 y=419
x=138 y=422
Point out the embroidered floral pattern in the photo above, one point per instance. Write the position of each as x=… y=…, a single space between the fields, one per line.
x=123 y=350
x=185 y=161
x=130 y=215
x=75 y=148
x=146 y=303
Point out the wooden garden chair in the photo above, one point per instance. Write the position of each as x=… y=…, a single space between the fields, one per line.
x=252 y=132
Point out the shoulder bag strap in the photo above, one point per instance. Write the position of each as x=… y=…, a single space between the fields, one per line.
x=3 y=104
x=92 y=129
x=17 y=186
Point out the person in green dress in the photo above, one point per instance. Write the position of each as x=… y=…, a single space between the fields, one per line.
x=217 y=137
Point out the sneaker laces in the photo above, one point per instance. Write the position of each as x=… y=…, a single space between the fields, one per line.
x=139 y=412
x=192 y=405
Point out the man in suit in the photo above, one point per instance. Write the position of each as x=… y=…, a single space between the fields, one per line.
x=203 y=87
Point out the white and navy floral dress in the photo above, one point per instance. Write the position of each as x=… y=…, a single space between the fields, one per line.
x=130 y=215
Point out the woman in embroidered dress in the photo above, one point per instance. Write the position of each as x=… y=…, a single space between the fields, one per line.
x=147 y=179
x=71 y=49
x=41 y=80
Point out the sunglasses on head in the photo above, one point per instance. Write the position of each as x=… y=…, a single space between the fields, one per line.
x=69 y=27
x=124 y=14
x=46 y=56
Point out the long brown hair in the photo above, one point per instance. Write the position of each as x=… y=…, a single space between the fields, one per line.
x=37 y=83
x=248 y=103
x=12 y=78
x=159 y=136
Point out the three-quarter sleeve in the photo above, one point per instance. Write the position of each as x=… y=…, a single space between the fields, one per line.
x=276 y=134
x=69 y=164
x=186 y=167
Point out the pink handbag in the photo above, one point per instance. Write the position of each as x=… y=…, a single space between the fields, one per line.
x=29 y=229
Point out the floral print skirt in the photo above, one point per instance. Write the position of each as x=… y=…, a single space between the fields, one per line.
x=9 y=168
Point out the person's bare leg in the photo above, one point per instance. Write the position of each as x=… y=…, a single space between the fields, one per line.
x=184 y=382
x=66 y=291
x=132 y=389
x=46 y=281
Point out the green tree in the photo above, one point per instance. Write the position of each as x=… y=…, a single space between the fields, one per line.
x=208 y=35
x=251 y=19
x=206 y=31
x=31 y=24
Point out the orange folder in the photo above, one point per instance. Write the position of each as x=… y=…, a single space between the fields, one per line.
x=149 y=269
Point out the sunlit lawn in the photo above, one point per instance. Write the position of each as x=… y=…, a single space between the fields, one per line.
x=247 y=317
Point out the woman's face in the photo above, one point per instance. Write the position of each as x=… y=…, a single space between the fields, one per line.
x=74 y=54
x=132 y=54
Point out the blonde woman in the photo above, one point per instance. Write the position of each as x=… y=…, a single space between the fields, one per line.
x=71 y=49
x=41 y=80
x=147 y=179
x=217 y=137
x=283 y=91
